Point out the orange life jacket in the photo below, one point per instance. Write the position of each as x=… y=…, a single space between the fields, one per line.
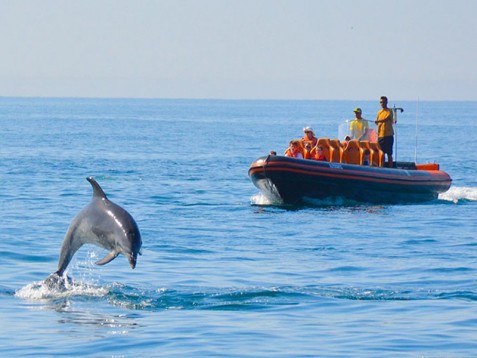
x=320 y=157
x=307 y=154
x=312 y=141
x=288 y=153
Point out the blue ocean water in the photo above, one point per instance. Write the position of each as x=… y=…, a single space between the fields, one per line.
x=223 y=271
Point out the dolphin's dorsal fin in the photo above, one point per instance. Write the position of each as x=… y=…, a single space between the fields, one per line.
x=97 y=191
x=108 y=258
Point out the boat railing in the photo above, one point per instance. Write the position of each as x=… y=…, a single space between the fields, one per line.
x=370 y=131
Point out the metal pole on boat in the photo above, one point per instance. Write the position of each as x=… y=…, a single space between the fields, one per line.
x=417 y=117
x=395 y=110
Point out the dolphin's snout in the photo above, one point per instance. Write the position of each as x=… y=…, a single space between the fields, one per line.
x=132 y=260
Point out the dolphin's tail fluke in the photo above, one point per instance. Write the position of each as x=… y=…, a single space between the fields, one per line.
x=58 y=282
x=97 y=191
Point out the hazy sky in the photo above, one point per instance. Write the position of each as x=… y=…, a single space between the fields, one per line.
x=264 y=49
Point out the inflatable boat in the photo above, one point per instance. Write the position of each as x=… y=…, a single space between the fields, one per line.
x=292 y=179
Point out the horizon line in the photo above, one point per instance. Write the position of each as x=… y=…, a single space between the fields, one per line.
x=226 y=99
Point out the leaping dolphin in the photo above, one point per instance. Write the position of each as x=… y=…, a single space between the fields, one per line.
x=105 y=224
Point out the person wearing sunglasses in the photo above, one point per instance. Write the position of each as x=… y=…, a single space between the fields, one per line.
x=309 y=137
x=384 y=120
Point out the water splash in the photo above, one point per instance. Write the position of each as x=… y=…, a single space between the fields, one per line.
x=263 y=200
x=38 y=291
x=458 y=194
x=87 y=283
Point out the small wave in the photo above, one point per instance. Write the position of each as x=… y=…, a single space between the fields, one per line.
x=457 y=194
x=190 y=298
x=460 y=295
x=263 y=298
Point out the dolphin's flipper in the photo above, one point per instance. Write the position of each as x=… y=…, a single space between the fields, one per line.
x=108 y=258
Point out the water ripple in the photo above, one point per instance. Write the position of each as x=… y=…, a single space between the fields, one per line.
x=236 y=299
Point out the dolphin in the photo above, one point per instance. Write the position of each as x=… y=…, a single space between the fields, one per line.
x=105 y=224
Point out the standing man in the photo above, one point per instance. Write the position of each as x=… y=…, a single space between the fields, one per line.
x=384 y=120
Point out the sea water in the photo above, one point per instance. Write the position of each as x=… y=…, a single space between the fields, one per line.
x=224 y=271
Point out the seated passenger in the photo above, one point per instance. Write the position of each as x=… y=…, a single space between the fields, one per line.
x=346 y=141
x=307 y=151
x=309 y=137
x=294 y=150
x=319 y=154
x=366 y=157
x=358 y=126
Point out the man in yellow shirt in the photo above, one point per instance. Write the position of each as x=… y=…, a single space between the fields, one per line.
x=384 y=120
x=358 y=126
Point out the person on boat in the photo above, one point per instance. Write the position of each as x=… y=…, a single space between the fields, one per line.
x=344 y=144
x=366 y=157
x=358 y=126
x=319 y=154
x=309 y=137
x=384 y=120
x=294 y=150
x=272 y=152
x=307 y=151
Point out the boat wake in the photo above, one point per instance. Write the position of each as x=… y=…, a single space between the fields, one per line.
x=459 y=194
x=262 y=200
x=454 y=194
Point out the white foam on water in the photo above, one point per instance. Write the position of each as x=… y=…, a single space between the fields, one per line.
x=85 y=285
x=261 y=199
x=38 y=291
x=456 y=194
